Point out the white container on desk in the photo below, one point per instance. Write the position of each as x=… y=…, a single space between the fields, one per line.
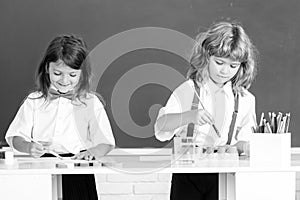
x=270 y=149
x=184 y=150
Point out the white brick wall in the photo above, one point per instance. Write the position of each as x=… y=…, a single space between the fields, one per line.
x=115 y=188
x=133 y=187
x=151 y=188
x=145 y=186
x=142 y=186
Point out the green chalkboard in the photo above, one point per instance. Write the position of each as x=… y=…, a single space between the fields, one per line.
x=28 y=26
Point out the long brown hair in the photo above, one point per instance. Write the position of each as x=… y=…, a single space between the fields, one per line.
x=73 y=52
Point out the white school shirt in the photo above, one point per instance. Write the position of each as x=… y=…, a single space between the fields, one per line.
x=69 y=127
x=218 y=102
x=181 y=100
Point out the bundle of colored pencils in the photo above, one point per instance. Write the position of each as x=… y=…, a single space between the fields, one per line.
x=277 y=123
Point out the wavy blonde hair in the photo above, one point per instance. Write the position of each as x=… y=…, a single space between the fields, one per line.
x=226 y=40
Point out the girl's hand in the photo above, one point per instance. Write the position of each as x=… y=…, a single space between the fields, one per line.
x=201 y=117
x=36 y=150
x=84 y=155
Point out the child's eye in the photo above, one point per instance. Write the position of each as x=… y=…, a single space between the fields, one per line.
x=56 y=73
x=234 y=66
x=219 y=62
x=73 y=75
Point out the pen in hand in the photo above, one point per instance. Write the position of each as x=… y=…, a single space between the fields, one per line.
x=216 y=130
x=213 y=125
x=33 y=148
x=44 y=148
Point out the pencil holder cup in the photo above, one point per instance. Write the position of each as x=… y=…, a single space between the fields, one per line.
x=270 y=149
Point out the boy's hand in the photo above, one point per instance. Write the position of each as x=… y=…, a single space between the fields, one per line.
x=201 y=117
x=243 y=147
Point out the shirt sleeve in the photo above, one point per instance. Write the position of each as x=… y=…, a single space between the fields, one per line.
x=179 y=101
x=99 y=126
x=22 y=123
x=245 y=129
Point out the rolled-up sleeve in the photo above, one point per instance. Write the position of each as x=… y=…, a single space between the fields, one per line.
x=171 y=107
x=22 y=123
x=99 y=126
x=179 y=102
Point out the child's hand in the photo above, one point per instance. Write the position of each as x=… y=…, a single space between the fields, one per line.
x=201 y=117
x=84 y=155
x=243 y=147
x=36 y=150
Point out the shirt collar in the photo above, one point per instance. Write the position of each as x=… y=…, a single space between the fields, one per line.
x=227 y=88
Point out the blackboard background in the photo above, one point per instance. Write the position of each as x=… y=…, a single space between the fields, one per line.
x=28 y=26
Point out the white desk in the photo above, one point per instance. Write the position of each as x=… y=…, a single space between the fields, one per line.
x=30 y=178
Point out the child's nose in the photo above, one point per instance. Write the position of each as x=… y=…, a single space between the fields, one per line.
x=64 y=79
x=225 y=69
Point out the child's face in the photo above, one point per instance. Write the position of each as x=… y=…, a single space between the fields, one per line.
x=63 y=77
x=222 y=70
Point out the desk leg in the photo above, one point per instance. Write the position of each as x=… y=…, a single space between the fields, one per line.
x=57 y=187
x=261 y=186
x=222 y=186
x=226 y=186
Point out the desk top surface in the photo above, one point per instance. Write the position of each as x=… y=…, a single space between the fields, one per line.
x=136 y=165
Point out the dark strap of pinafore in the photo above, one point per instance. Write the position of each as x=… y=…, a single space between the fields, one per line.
x=233 y=120
x=190 y=129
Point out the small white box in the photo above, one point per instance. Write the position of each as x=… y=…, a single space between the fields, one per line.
x=270 y=149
